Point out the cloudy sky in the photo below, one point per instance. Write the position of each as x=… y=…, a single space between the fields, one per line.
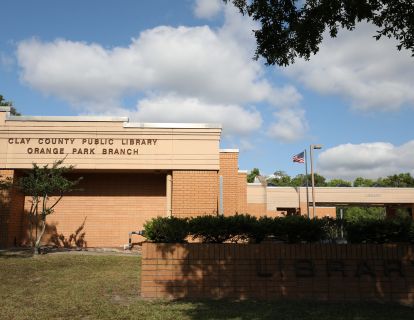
x=191 y=61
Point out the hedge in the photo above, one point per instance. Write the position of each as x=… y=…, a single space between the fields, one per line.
x=290 y=229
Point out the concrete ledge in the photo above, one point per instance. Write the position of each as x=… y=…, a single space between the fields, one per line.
x=172 y=125
x=67 y=118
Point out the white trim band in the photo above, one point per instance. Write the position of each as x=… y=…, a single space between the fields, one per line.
x=67 y=118
x=172 y=125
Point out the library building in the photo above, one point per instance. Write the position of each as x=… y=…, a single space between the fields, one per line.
x=132 y=172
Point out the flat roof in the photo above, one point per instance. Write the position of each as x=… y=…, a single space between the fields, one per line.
x=68 y=118
x=172 y=125
x=125 y=120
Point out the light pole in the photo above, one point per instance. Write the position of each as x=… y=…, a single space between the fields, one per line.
x=316 y=147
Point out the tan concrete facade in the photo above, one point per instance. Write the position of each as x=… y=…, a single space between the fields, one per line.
x=274 y=200
x=108 y=143
x=133 y=172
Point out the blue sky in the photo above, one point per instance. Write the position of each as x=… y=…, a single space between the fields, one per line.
x=181 y=61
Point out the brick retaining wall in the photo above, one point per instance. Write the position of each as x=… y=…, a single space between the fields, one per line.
x=272 y=271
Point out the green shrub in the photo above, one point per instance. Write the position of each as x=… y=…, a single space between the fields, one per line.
x=244 y=228
x=332 y=228
x=296 y=229
x=237 y=228
x=411 y=233
x=211 y=229
x=262 y=229
x=166 y=230
x=379 y=231
x=290 y=229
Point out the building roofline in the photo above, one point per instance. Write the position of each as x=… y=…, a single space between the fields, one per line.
x=68 y=118
x=229 y=150
x=125 y=120
x=172 y=125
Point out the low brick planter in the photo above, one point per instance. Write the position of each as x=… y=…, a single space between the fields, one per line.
x=275 y=271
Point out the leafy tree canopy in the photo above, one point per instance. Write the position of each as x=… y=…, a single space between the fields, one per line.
x=402 y=180
x=355 y=214
x=253 y=174
x=282 y=179
x=292 y=28
x=4 y=103
x=338 y=183
x=362 y=182
x=46 y=186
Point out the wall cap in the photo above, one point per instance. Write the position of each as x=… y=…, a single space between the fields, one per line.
x=67 y=118
x=172 y=125
x=229 y=150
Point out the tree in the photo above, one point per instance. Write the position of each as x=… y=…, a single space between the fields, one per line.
x=354 y=214
x=300 y=180
x=362 y=182
x=338 y=183
x=253 y=174
x=402 y=180
x=291 y=28
x=4 y=103
x=281 y=179
x=41 y=184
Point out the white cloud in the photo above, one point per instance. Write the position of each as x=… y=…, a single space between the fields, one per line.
x=370 y=74
x=208 y=73
x=207 y=9
x=370 y=160
x=171 y=108
x=290 y=125
x=188 y=61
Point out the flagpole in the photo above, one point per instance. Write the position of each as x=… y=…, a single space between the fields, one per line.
x=307 y=184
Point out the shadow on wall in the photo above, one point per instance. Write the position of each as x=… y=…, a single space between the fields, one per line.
x=4 y=218
x=75 y=240
x=382 y=273
x=119 y=185
x=53 y=238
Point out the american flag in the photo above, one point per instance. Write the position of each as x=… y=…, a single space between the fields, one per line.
x=300 y=157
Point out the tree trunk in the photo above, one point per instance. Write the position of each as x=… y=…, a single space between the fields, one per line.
x=39 y=238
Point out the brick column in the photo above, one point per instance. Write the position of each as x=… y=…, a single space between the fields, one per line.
x=242 y=192
x=229 y=171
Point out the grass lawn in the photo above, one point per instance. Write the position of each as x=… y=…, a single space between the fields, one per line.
x=72 y=286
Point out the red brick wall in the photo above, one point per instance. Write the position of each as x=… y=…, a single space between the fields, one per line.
x=194 y=193
x=242 y=192
x=229 y=172
x=113 y=204
x=279 y=271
